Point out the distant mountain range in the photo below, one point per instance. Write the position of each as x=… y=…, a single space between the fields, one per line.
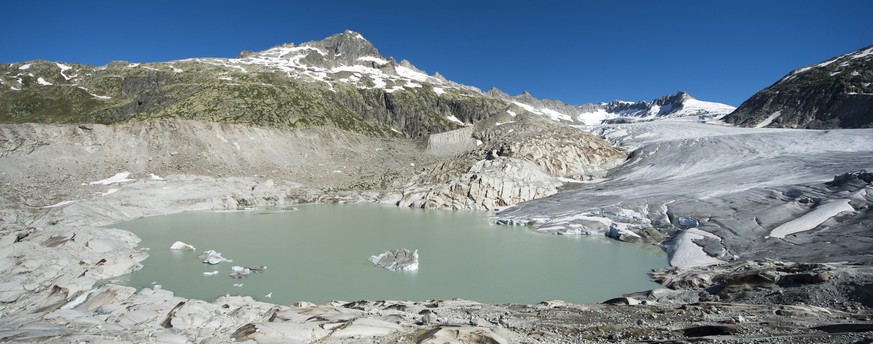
x=342 y=81
x=837 y=93
x=680 y=104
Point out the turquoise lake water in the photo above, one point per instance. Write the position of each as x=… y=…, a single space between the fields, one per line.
x=319 y=253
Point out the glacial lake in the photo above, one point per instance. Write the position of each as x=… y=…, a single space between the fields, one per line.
x=319 y=253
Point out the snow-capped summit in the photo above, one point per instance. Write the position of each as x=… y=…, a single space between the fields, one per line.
x=680 y=104
x=346 y=57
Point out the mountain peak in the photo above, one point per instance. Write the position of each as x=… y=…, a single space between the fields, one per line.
x=349 y=44
x=497 y=93
x=526 y=97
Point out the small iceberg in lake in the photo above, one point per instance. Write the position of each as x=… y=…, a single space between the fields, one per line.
x=181 y=246
x=210 y=273
x=212 y=257
x=397 y=260
x=240 y=272
x=243 y=271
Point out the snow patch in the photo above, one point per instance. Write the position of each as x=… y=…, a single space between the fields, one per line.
x=769 y=119
x=439 y=91
x=24 y=67
x=557 y=116
x=594 y=118
x=861 y=54
x=94 y=95
x=812 y=219
x=411 y=74
x=64 y=68
x=109 y=192
x=373 y=59
x=455 y=119
x=42 y=81
x=117 y=178
x=511 y=113
x=694 y=107
x=59 y=204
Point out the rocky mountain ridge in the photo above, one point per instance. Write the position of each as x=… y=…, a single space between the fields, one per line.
x=836 y=93
x=341 y=81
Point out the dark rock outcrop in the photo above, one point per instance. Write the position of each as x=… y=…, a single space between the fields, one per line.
x=837 y=93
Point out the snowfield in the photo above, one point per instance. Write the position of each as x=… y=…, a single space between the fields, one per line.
x=735 y=187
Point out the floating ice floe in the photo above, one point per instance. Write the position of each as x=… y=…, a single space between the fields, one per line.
x=397 y=260
x=181 y=246
x=212 y=257
x=243 y=271
x=238 y=285
x=240 y=272
x=210 y=273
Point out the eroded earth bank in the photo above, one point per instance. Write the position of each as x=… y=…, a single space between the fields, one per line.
x=766 y=244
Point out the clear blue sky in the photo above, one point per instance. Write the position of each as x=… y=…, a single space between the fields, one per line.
x=575 y=51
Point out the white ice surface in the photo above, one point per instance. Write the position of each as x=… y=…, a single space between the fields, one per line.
x=812 y=219
x=675 y=160
x=683 y=252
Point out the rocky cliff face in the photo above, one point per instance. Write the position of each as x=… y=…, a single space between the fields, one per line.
x=837 y=93
x=524 y=158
